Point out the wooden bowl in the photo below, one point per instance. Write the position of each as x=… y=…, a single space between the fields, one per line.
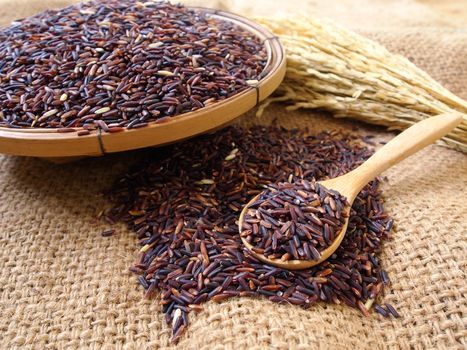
x=51 y=144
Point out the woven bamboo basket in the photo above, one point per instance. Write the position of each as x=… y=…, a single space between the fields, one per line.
x=62 y=147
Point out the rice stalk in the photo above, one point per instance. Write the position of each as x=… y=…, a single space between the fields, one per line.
x=334 y=69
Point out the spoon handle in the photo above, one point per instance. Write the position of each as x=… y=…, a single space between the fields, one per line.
x=402 y=146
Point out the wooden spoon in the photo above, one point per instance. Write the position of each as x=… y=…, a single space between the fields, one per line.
x=349 y=185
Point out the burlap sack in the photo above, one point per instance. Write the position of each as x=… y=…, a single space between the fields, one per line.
x=64 y=286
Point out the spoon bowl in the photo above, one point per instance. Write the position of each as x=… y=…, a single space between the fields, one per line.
x=349 y=185
x=301 y=264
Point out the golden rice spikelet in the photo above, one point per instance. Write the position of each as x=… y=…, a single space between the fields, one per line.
x=335 y=69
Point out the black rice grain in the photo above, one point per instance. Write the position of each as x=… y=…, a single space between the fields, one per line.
x=294 y=220
x=184 y=203
x=120 y=63
x=108 y=233
x=392 y=310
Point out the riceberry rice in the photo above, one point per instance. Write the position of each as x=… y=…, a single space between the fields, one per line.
x=184 y=201
x=120 y=64
x=294 y=220
x=108 y=233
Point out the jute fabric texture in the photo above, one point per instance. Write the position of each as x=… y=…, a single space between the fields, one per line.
x=64 y=286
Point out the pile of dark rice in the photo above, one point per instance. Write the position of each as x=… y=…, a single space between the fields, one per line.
x=184 y=201
x=119 y=64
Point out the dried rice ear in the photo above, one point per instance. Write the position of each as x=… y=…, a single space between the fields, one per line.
x=337 y=70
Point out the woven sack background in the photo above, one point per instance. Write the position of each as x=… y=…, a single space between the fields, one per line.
x=64 y=286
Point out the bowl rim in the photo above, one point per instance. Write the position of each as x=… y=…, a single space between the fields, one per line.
x=50 y=143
